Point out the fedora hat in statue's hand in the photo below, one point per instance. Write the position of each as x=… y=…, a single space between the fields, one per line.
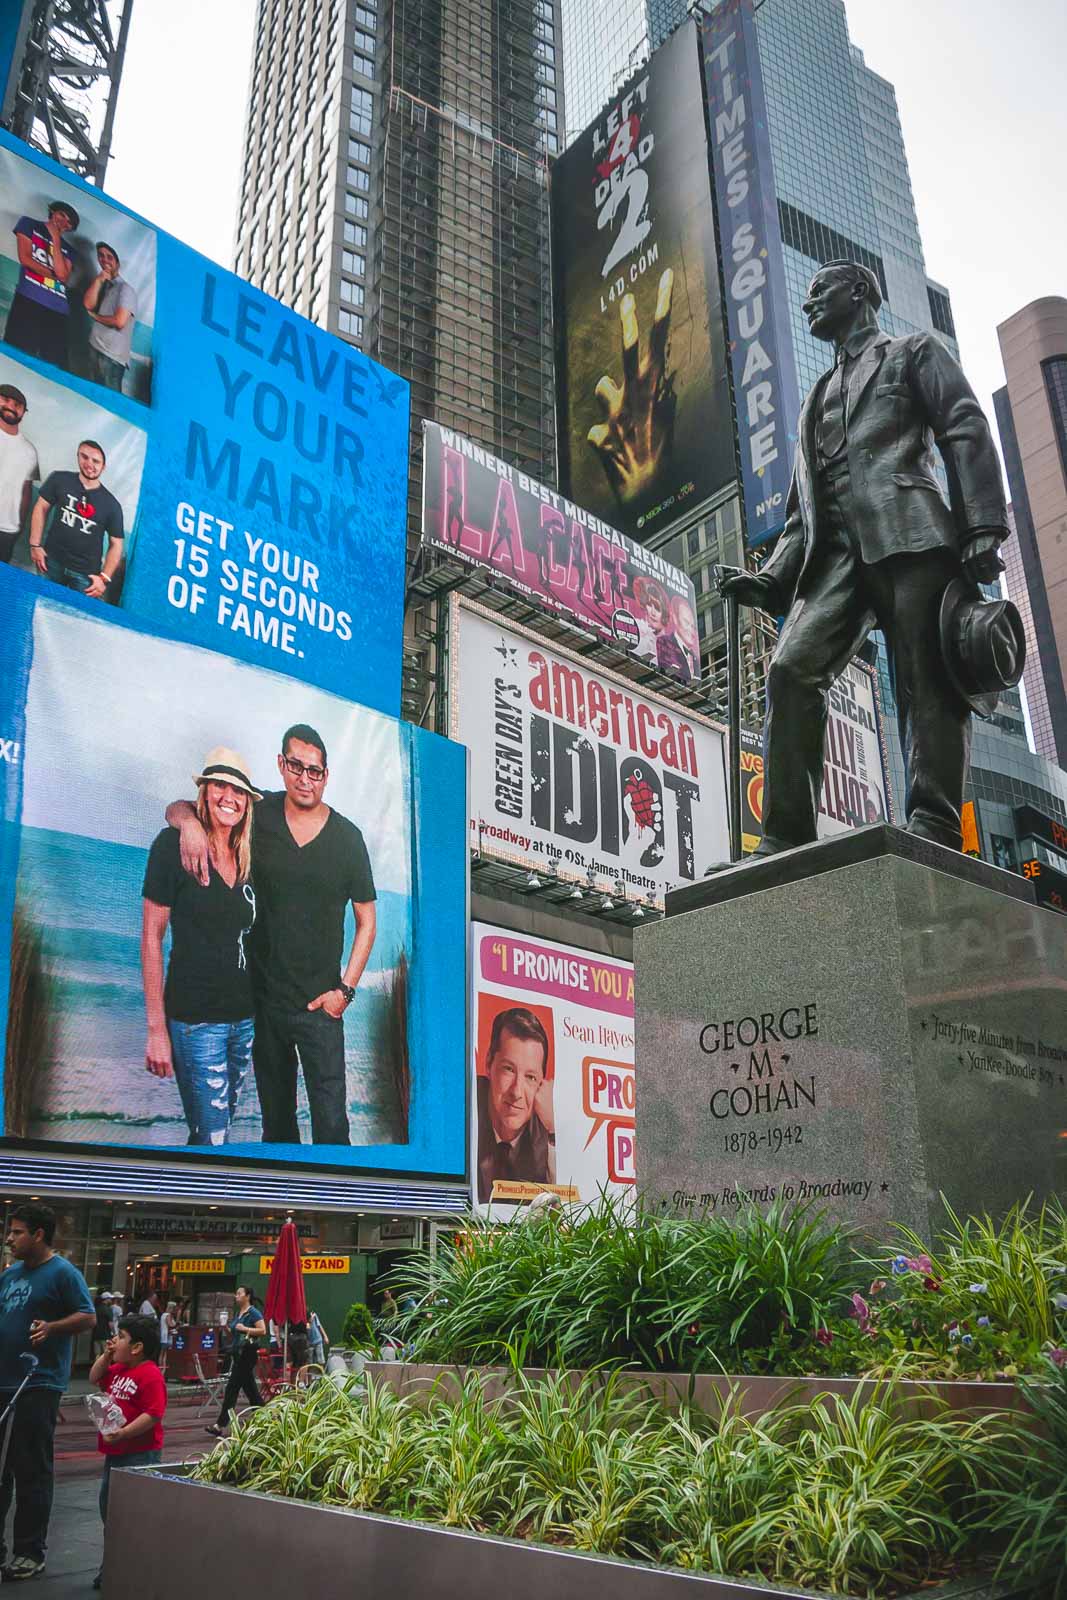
x=982 y=645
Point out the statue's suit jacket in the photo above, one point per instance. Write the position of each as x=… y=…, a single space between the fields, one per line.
x=905 y=395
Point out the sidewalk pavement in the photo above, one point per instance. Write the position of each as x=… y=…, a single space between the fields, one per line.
x=76 y=1535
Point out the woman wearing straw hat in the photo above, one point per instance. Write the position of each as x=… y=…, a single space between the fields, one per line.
x=200 y=1021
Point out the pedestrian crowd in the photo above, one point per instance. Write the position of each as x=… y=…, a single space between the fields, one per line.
x=45 y=1304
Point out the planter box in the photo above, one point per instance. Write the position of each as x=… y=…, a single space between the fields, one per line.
x=276 y=1549
x=758 y=1395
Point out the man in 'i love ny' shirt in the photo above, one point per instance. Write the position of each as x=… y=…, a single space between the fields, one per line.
x=73 y=516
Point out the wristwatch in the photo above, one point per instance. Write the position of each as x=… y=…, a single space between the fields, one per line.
x=347 y=990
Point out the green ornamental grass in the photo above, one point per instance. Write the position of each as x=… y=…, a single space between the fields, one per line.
x=1028 y=1507
x=787 y=1291
x=614 y=1283
x=849 y=1499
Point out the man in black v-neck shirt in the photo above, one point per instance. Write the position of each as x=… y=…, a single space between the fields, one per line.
x=308 y=865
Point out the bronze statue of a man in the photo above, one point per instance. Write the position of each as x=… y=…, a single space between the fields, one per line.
x=869 y=542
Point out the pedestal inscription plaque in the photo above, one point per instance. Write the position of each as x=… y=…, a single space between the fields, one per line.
x=866 y=1037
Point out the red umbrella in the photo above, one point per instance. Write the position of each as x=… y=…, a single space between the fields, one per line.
x=285 y=1294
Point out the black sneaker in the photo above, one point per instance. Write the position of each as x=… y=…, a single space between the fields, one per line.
x=213 y=1428
x=22 y=1567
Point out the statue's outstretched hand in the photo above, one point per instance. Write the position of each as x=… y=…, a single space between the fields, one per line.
x=748 y=588
x=638 y=430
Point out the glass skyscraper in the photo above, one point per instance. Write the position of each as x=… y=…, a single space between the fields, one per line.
x=395 y=191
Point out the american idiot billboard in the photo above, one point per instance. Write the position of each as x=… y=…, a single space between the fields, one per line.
x=579 y=772
x=489 y=514
x=645 y=427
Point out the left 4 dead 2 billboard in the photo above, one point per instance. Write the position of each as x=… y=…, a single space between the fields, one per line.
x=143 y=1006
x=554 y=1081
x=491 y=515
x=177 y=444
x=646 y=431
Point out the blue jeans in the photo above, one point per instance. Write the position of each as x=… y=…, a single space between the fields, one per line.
x=102 y=369
x=140 y=1458
x=315 y=1042
x=211 y=1061
x=68 y=577
x=28 y=1473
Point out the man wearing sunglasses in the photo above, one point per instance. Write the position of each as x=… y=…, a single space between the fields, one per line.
x=308 y=865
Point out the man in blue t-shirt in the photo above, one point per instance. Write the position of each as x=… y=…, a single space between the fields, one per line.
x=40 y=310
x=44 y=1304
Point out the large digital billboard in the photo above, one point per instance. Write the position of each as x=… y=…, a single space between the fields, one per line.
x=553 y=1061
x=491 y=515
x=578 y=772
x=177 y=444
x=645 y=429
x=757 y=307
x=282 y=995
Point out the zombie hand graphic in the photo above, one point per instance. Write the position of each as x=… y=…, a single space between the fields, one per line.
x=638 y=431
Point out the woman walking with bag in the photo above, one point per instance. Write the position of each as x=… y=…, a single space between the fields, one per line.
x=248 y=1328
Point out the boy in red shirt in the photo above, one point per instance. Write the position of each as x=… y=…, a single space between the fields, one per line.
x=127 y=1372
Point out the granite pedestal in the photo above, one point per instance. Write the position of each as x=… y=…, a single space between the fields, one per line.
x=866 y=1022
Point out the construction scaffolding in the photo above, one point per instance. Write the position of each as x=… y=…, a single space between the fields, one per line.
x=64 y=80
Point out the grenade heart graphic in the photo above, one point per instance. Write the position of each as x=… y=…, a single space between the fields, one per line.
x=642 y=798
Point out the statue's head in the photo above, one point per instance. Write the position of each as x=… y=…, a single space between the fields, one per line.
x=843 y=295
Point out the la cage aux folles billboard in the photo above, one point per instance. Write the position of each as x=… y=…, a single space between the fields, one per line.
x=492 y=515
x=554 y=1096
x=295 y=1002
x=178 y=445
x=645 y=426
x=578 y=771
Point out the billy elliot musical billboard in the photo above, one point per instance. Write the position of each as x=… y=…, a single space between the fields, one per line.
x=645 y=427
x=578 y=772
x=855 y=790
x=491 y=515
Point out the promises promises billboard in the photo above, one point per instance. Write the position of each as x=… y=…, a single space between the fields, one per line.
x=494 y=516
x=145 y=1008
x=645 y=429
x=579 y=771
x=554 y=1084
x=757 y=307
x=184 y=447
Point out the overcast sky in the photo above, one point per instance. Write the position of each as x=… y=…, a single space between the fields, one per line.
x=981 y=89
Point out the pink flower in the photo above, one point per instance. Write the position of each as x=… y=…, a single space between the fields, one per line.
x=921 y=1264
x=877 y=1286
x=862 y=1313
x=824 y=1336
x=1058 y=1357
